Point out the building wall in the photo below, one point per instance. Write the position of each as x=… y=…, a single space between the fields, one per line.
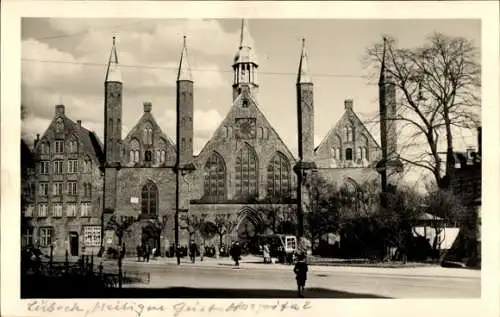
x=331 y=153
x=64 y=129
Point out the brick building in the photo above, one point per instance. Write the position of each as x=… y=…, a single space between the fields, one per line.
x=63 y=189
x=239 y=169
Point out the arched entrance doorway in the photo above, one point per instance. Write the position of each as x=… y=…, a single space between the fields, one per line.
x=250 y=224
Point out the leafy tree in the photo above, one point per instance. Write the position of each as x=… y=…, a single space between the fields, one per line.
x=395 y=222
x=225 y=224
x=440 y=92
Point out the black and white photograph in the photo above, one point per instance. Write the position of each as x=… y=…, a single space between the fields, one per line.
x=249 y=157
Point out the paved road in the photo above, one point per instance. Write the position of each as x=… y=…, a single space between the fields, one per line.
x=170 y=280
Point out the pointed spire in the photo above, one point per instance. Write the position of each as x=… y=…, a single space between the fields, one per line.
x=184 y=72
x=245 y=34
x=245 y=53
x=381 y=80
x=113 y=72
x=303 y=76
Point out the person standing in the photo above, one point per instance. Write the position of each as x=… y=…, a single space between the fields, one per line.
x=300 y=269
x=138 y=249
x=236 y=253
x=202 y=251
x=192 y=252
x=147 y=251
x=267 y=254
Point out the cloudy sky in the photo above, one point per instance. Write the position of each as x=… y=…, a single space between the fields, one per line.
x=64 y=60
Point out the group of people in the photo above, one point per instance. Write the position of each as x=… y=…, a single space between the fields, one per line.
x=144 y=252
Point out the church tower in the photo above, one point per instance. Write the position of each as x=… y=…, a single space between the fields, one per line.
x=184 y=110
x=113 y=88
x=245 y=65
x=305 y=119
x=390 y=165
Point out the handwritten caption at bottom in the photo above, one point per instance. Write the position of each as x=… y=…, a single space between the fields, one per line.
x=178 y=309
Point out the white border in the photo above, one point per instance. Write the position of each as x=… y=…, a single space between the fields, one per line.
x=487 y=11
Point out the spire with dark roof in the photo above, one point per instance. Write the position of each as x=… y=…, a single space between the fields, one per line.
x=303 y=76
x=184 y=72
x=113 y=73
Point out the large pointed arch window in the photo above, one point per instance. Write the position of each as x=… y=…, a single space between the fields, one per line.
x=246 y=172
x=278 y=177
x=215 y=178
x=149 y=198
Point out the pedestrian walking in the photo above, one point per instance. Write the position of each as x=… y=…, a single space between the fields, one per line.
x=300 y=269
x=235 y=252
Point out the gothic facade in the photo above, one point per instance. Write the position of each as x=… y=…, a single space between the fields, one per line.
x=245 y=165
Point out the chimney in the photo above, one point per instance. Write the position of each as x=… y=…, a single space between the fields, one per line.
x=348 y=103
x=147 y=106
x=79 y=123
x=479 y=140
x=60 y=110
x=37 y=139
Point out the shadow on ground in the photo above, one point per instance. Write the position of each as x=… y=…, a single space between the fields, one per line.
x=186 y=292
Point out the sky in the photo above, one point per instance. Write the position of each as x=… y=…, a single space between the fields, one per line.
x=64 y=61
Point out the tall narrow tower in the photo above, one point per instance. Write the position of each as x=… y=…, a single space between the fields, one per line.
x=305 y=119
x=245 y=64
x=184 y=110
x=113 y=88
x=390 y=165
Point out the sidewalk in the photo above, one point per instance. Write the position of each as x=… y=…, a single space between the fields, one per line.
x=251 y=262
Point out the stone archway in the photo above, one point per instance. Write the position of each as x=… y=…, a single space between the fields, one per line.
x=250 y=224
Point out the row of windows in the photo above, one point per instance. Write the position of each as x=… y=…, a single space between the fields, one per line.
x=246 y=175
x=58 y=189
x=59 y=147
x=160 y=156
x=59 y=210
x=361 y=153
x=91 y=236
x=349 y=136
x=262 y=132
x=58 y=167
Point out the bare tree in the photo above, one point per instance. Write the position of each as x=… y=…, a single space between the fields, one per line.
x=120 y=225
x=193 y=223
x=225 y=224
x=439 y=84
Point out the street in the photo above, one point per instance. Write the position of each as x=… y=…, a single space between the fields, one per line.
x=253 y=280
